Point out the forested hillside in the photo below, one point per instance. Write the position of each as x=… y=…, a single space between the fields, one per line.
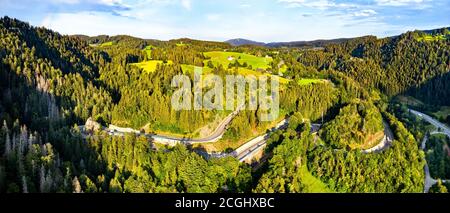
x=51 y=83
x=395 y=65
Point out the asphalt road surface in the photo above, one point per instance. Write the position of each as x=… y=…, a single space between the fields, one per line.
x=443 y=129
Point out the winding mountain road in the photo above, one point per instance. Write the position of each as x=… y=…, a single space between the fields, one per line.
x=245 y=152
x=252 y=147
x=442 y=129
x=166 y=140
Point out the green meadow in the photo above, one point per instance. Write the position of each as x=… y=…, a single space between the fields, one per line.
x=150 y=66
x=106 y=44
x=225 y=58
x=308 y=81
x=218 y=58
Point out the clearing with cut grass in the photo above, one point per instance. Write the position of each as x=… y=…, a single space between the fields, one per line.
x=106 y=44
x=225 y=58
x=309 y=81
x=150 y=66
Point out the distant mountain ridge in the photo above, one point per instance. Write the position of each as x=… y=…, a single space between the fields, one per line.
x=315 y=43
x=241 y=42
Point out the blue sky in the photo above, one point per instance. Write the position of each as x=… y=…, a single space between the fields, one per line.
x=261 y=20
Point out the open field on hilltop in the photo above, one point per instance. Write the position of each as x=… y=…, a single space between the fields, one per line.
x=225 y=58
x=438 y=37
x=431 y=38
x=150 y=66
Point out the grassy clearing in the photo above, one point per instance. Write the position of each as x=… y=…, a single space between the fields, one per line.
x=225 y=58
x=106 y=44
x=312 y=184
x=150 y=66
x=309 y=81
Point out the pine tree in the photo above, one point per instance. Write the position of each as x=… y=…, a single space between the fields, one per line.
x=7 y=146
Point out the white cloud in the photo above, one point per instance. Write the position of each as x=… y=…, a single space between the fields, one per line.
x=365 y=13
x=213 y=17
x=261 y=26
x=103 y=2
x=186 y=4
x=65 y=1
x=317 y=4
x=99 y=23
x=398 y=2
